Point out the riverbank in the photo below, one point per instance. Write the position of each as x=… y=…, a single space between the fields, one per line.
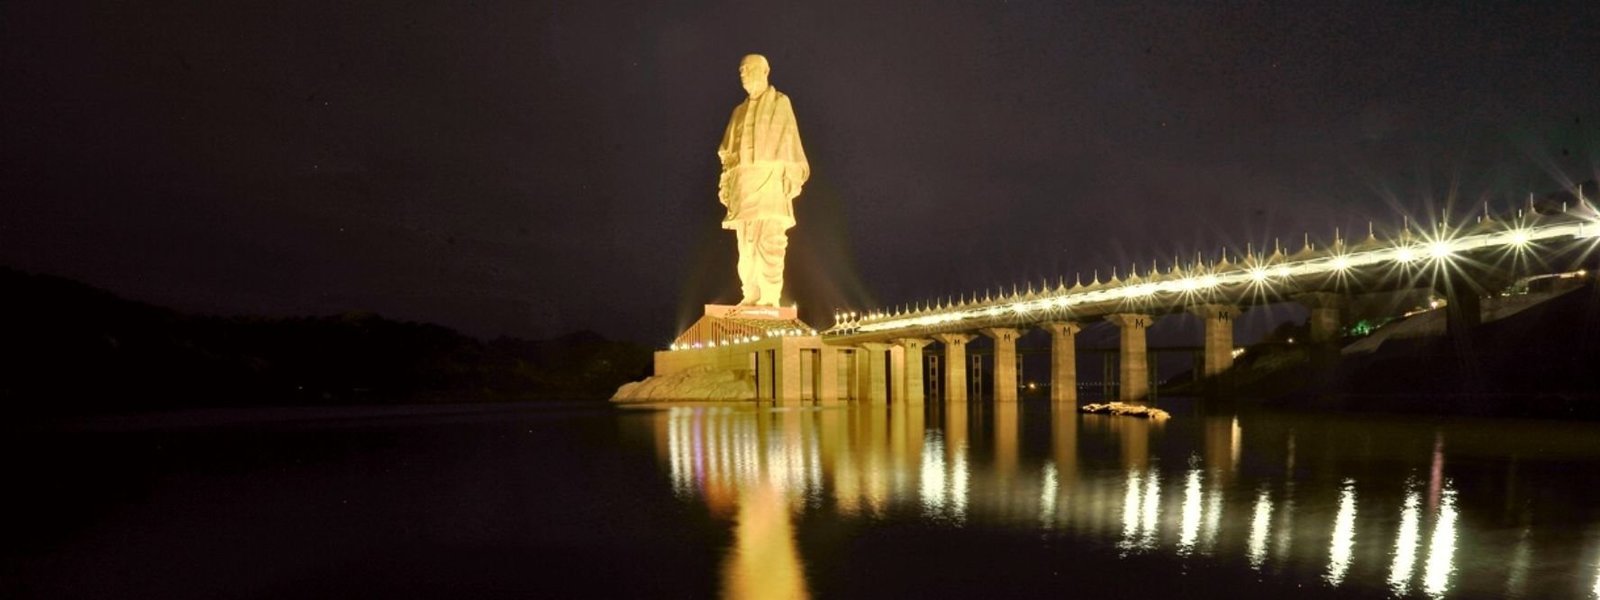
x=1538 y=360
x=73 y=349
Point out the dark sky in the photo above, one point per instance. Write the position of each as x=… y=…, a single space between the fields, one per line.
x=537 y=168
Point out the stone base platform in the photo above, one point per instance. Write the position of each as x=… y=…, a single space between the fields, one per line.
x=733 y=354
x=697 y=383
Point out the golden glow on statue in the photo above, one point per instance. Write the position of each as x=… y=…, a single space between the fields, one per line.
x=763 y=170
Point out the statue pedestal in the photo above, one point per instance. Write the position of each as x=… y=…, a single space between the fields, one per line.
x=733 y=311
x=739 y=353
x=725 y=323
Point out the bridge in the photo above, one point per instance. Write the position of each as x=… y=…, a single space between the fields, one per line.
x=877 y=355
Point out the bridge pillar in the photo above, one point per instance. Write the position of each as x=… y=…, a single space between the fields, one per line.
x=787 y=366
x=827 y=375
x=955 y=365
x=1005 y=362
x=1063 y=361
x=1326 y=318
x=876 y=375
x=861 y=374
x=1134 y=364
x=897 y=373
x=911 y=378
x=1463 y=308
x=1218 y=319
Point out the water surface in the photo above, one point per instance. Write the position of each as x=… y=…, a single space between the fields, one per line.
x=705 y=501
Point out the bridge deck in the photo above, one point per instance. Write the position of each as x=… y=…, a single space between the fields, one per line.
x=1486 y=255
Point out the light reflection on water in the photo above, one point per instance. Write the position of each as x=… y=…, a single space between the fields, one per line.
x=1405 y=545
x=1259 y=526
x=1190 y=529
x=935 y=490
x=1441 y=549
x=1133 y=487
x=1596 y=591
x=1344 y=534
x=764 y=562
x=1047 y=496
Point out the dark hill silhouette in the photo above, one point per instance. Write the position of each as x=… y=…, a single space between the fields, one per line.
x=1537 y=362
x=71 y=348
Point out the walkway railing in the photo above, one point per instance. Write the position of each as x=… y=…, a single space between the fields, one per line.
x=1253 y=276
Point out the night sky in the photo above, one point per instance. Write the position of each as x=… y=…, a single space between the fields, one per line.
x=533 y=169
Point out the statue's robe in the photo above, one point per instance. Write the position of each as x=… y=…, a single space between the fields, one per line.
x=763 y=169
x=763 y=163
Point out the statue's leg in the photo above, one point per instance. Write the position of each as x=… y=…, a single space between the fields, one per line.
x=774 y=242
x=747 y=238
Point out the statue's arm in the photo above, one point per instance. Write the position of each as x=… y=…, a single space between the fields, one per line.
x=722 y=187
x=726 y=156
x=796 y=168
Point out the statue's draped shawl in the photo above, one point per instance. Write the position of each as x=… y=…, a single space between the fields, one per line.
x=776 y=144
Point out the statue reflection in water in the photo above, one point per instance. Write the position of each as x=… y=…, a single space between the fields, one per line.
x=759 y=467
x=1128 y=484
x=764 y=562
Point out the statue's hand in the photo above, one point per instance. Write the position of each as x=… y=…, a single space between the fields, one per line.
x=794 y=178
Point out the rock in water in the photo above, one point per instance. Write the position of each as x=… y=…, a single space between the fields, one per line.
x=1131 y=410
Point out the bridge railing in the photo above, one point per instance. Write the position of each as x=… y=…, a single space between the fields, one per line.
x=1253 y=278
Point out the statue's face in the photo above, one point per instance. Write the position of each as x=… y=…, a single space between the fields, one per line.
x=753 y=75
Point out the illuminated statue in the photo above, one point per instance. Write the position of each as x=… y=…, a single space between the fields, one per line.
x=763 y=169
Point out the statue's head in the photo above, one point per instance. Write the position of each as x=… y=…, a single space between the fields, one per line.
x=753 y=72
